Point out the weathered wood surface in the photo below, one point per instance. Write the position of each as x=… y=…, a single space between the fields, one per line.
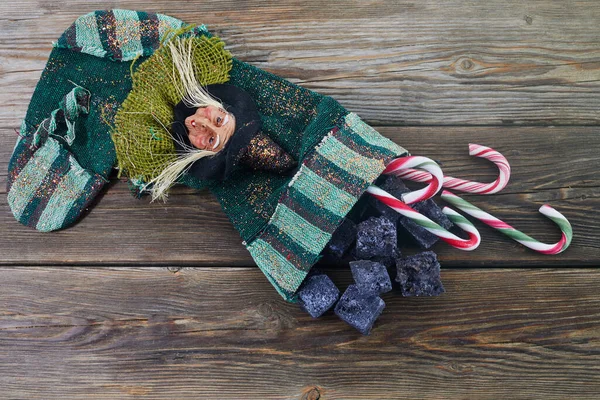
x=433 y=75
x=549 y=165
x=393 y=62
x=150 y=333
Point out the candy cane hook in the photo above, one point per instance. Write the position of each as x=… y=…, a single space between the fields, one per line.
x=525 y=240
x=420 y=219
x=462 y=184
x=435 y=173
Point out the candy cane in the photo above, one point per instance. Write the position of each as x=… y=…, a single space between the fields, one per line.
x=435 y=173
x=464 y=185
x=528 y=241
x=421 y=220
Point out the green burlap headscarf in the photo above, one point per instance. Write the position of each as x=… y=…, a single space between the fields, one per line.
x=142 y=141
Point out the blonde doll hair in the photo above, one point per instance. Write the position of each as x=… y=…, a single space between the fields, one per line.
x=193 y=95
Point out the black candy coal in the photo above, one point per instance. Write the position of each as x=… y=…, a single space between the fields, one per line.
x=419 y=235
x=419 y=275
x=317 y=294
x=394 y=186
x=432 y=211
x=376 y=237
x=371 y=276
x=359 y=309
x=341 y=240
x=387 y=261
x=375 y=245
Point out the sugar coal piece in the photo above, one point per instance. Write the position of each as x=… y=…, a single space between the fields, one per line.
x=343 y=237
x=419 y=275
x=317 y=295
x=315 y=271
x=388 y=261
x=380 y=209
x=376 y=237
x=420 y=235
x=359 y=309
x=371 y=276
x=394 y=186
x=432 y=211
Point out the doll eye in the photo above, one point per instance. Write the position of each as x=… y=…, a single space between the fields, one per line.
x=219 y=121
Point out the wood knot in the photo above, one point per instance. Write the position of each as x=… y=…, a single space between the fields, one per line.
x=457 y=368
x=466 y=64
x=311 y=393
x=471 y=67
x=273 y=316
x=528 y=19
x=174 y=269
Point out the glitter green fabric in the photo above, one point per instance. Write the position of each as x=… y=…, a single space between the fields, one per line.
x=297 y=119
x=285 y=220
x=107 y=82
x=331 y=179
x=142 y=144
x=65 y=153
x=47 y=188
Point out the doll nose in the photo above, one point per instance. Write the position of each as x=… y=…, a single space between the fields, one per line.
x=199 y=125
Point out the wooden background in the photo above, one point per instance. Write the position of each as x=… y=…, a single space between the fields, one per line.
x=201 y=321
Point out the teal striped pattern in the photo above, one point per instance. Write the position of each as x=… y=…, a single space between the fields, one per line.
x=371 y=136
x=322 y=193
x=283 y=274
x=66 y=194
x=51 y=189
x=87 y=37
x=130 y=39
x=121 y=35
x=299 y=229
x=166 y=24
x=348 y=159
x=23 y=189
x=47 y=188
x=327 y=185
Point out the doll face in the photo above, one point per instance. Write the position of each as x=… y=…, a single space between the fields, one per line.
x=210 y=128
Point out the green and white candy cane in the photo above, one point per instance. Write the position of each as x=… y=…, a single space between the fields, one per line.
x=525 y=240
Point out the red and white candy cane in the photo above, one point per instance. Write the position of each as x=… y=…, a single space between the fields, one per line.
x=462 y=184
x=525 y=240
x=420 y=219
x=435 y=174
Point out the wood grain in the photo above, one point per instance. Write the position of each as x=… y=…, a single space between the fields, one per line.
x=150 y=333
x=549 y=165
x=395 y=63
x=432 y=75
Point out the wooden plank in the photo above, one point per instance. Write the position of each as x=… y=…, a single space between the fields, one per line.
x=549 y=165
x=395 y=63
x=225 y=333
